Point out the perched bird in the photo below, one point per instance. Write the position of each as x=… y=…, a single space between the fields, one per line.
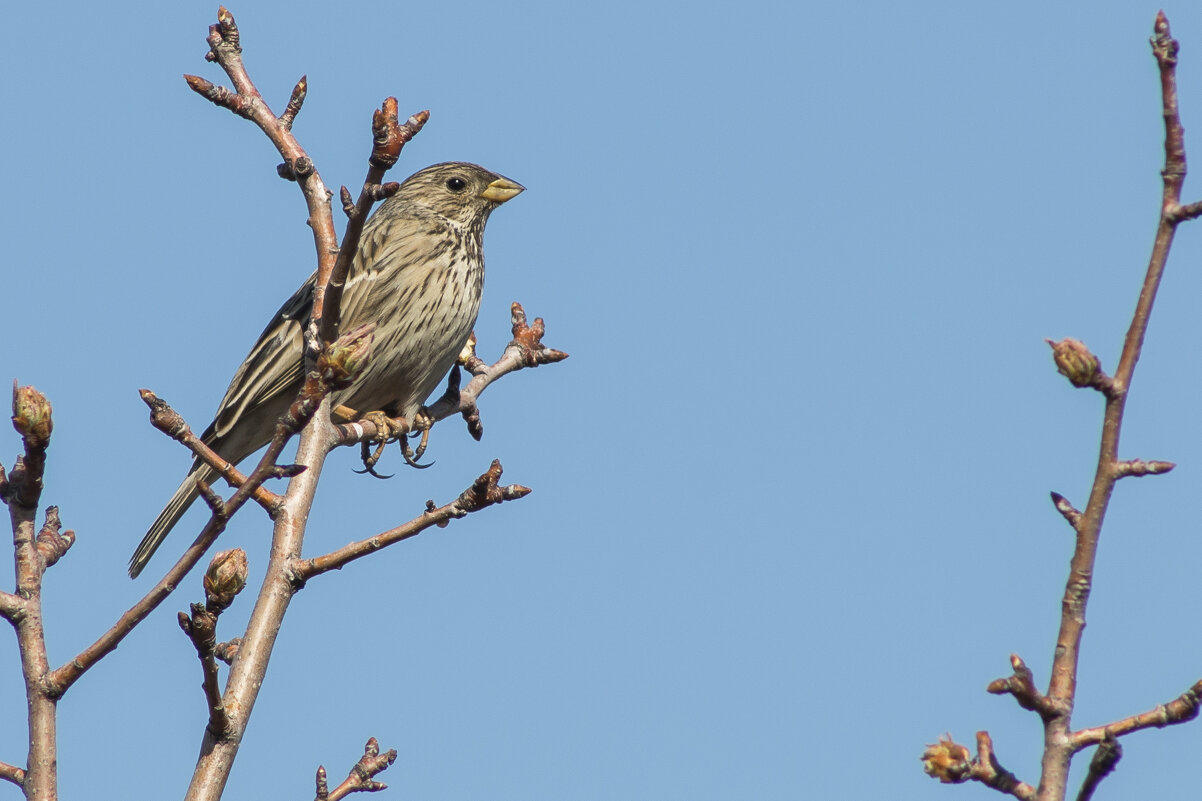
x=418 y=276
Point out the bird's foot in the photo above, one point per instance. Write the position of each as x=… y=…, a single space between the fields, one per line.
x=386 y=431
x=422 y=421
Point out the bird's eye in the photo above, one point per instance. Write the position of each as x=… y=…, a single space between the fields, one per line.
x=456 y=184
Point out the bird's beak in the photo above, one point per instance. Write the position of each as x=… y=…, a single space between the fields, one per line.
x=501 y=190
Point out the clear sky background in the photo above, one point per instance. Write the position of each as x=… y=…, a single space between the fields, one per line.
x=790 y=509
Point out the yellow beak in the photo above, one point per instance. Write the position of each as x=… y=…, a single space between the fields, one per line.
x=501 y=190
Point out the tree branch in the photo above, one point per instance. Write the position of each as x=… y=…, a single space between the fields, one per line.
x=1104 y=760
x=952 y=763
x=224 y=579
x=225 y=48
x=388 y=137
x=360 y=779
x=1082 y=368
x=1181 y=709
x=1022 y=686
x=484 y=492
x=172 y=423
x=298 y=414
x=11 y=773
x=1062 y=687
x=33 y=420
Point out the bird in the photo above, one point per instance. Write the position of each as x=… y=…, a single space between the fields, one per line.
x=418 y=275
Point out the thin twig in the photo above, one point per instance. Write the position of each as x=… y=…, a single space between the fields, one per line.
x=361 y=777
x=987 y=770
x=1102 y=765
x=172 y=423
x=63 y=677
x=225 y=48
x=388 y=138
x=484 y=492
x=1022 y=686
x=201 y=628
x=1062 y=688
x=33 y=420
x=1181 y=709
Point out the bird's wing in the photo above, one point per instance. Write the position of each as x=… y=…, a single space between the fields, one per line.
x=274 y=364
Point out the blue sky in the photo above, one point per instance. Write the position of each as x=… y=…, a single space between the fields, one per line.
x=790 y=512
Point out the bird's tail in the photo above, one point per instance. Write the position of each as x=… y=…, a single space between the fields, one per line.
x=175 y=509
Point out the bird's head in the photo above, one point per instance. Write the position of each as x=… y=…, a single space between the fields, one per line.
x=461 y=192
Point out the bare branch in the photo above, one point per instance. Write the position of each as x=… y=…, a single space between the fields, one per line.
x=484 y=492
x=1062 y=688
x=1022 y=686
x=201 y=628
x=63 y=677
x=1138 y=468
x=33 y=420
x=989 y=772
x=388 y=137
x=171 y=423
x=360 y=779
x=1075 y=361
x=1104 y=760
x=225 y=48
x=224 y=579
x=1181 y=709
x=11 y=773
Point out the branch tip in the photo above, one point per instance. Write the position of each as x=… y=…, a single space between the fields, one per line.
x=163 y=417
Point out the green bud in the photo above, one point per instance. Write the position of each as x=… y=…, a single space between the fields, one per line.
x=225 y=578
x=32 y=415
x=346 y=357
x=1074 y=361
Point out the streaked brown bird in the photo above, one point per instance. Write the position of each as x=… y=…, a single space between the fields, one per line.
x=418 y=276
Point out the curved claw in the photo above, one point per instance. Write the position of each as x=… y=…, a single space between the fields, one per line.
x=371 y=459
x=411 y=457
x=371 y=471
